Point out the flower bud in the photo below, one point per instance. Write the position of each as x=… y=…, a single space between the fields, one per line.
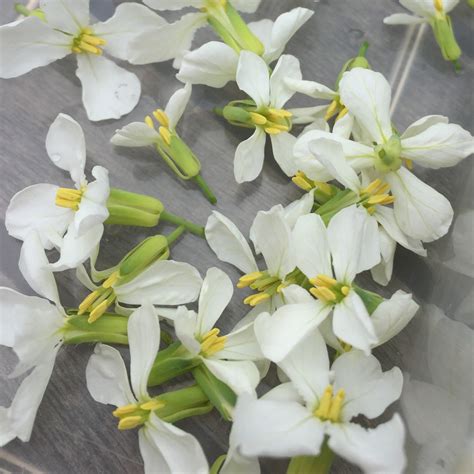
x=444 y=34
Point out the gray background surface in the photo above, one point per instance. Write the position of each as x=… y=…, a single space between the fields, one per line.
x=74 y=434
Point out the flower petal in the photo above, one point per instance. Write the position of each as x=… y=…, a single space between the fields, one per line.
x=369 y=391
x=299 y=208
x=271 y=235
x=249 y=156
x=135 y=134
x=185 y=324
x=33 y=209
x=282 y=146
x=216 y=293
x=421 y=212
x=424 y=8
x=66 y=146
x=287 y=67
x=246 y=6
x=177 y=105
x=66 y=15
x=173 y=4
x=240 y=375
x=165 y=282
x=128 y=21
x=21 y=49
x=311 y=241
x=253 y=78
x=108 y=91
x=228 y=243
x=403 y=19
x=106 y=377
x=311 y=89
x=374 y=451
x=367 y=95
x=144 y=342
x=382 y=273
x=241 y=344
x=213 y=64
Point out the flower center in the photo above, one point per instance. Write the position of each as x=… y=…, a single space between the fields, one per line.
x=389 y=155
x=136 y=414
x=97 y=302
x=212 y=342
x=328 y=290
x=273 y=121
x=330 y=406
x=69 y=198
x=307 y=184
x=87 y=42
x=376 y=193
x=164 y=125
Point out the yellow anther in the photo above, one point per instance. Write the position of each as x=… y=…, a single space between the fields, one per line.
x=272 y=131
x=278 y=126
x=258 y=119
x=438 y=4
x=165 y=135
x=125 y=410
x=324 y=403
x=409 y=163
x=301 y=183
x=281 y=287
x=324 y=294
x=380 y=199
x=248 y=279
x=212 y=342
x=111 y=280
x=342 y=113
x=334 y=413
x=371 y=210
x=149 y=121
x=100 y=309
x=280 y=113
x=88 y=48
x=93 y=40
x=254 y=300
x=68 y=193
x=87 y=302
x=383 y=189
x=86 y=30
x=161 y=117
x=152 y=405
x=324 y=187
x=323 y=280
x=332 y=109
x=345 y=290
x=130 y=422
x=76 y=50
x=372 y=187
x=67 y=204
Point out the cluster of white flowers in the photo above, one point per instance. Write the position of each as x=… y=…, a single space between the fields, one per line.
x=307 y=313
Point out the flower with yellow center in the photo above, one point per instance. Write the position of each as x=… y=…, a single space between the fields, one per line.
x=317 y=406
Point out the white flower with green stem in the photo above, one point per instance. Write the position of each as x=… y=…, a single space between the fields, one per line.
x=61 y=28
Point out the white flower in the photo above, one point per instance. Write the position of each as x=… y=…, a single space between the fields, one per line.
x=228 y=357
x=32 y=327
x=421 y=212
x=271 y=236
x=214 y=64
x=108 y=91
x=424 y=11
x=294 y=419
x=161 y=443
x=69 y=219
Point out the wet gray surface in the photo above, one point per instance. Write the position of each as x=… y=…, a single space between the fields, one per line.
x=74 y=434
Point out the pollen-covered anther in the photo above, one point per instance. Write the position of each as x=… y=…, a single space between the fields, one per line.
x=258 y=119
x=113 y=278
x=408 y=163
x=69 y=198
x=302 y=181
x=248 y=279
x=342 y=113
x=212 y=342
x=165 y=135
x=161 y=118
x=279 y=114
x=130 y=422
x=327 y=289
x=149 y=121
x=276 y=128
x=125 y=410
x=254 y=300
x=330 y=407
x=324 y=294
x=87 y=42
x=152 y=405
x=438 y=4
x=331 y=110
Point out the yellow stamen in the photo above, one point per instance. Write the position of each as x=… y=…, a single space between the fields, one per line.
x=301 y=183
x=130 y=422
x=87 y=302
x=98 y=311
x=76 y=50
x=438 y=4
x=165 y=135
x=212 y=342
x=324 y=187
x=324 y=294
x=324 y=403
x=93 y=40
x=342 y=113
x=254 y=300
x=125 y=410
x=248 y=279
x=111 y=280
x=334 y=413
x=67 y=204
x=372 y=187
x=149 y=121
x=323 y=280
x=332 y=109
x=281 y=287
x=345 y=290
x=152 y=405
x=381 y=199
x=162 y=118
x=258 y=119
x=409 y=163
x=280 y=113
x=67 y=193
x=89 y=48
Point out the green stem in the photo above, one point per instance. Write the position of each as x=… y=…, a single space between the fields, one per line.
x=363 y=49
x=175 y=234
x=205 y=189
x=22 y=10
x=173 y=219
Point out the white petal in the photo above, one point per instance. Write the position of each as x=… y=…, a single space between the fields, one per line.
x=253 y=77
x=165 y=282
x=135 y=134
x=216 y=293
x=177 y=105
x=278 y=334
x=241 y=376
x=310 y=115
x=185 y=324
x=228 y=243
x=352 y=323
x=66 y=146
x=17 y=420
x=311 y=89
x=34 y=267
x=287 y=67
x=166 y=42
x=144 y=342
x=421 y=212
x=213 y=64
x=241 y=344
x=424 y=8
x=128 y=21
x=382 y=273
x=282 y=145
x=108 y=91
x=285 y=392
x=344 y=126
x=180 y=451
x=311 y=241
x=66 y=15
x=284 y=28
x=249 y=156
x=438 y=146
x=403 y=19
x=354 y=244
x=375 y=451
x=275 y=428
x=106 y=377
x=420 y=125
x=21 y=49
x=307 y=366
x=298 y=208
x=296 y=294
x=392 y=315
x=331 y=154
x=369 y=391
x=262 y=29
x=246 y=6
x=272 y=236
x=367 y=95
x=174 y=4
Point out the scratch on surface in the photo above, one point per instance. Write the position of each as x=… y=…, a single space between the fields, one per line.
x=14 y=461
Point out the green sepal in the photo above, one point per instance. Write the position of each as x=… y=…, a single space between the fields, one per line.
x=171 y=362
x=23 y=10
x=219 y=394
x=445 y=37
x=341 y=200
x=359 y=61
x=389 y=155
x=320 y=464
x=370 y=299
x=217 y=464
x=179 y=157
x=237 y=116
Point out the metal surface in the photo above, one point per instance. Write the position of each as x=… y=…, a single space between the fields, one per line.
x=73 y=433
